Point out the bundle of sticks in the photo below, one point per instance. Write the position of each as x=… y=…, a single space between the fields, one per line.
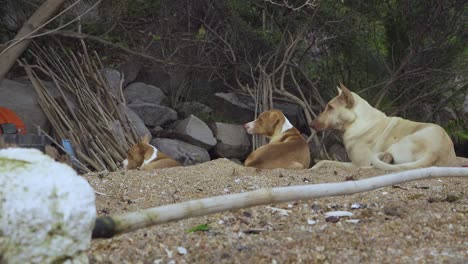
x=81 y=106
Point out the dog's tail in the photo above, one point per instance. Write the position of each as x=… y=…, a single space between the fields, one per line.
x=426 y=161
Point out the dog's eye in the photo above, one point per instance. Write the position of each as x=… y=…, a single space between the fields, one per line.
x=330 y=108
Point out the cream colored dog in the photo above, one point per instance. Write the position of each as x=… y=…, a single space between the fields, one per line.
x=389 y=143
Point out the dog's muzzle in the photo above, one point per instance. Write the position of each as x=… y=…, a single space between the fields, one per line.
x=249 y=127
x=315 y=125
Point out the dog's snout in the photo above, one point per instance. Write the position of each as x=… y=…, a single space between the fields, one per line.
x=249 y=127
x=125 y=164
x=315 y=125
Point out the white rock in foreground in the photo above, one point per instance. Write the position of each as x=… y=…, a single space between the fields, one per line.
x=338 y=213
x=47 y=211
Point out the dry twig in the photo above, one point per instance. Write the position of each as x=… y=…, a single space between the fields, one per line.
x=83 y=109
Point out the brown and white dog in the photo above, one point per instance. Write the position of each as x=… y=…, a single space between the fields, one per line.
x=146 y=157
x=389 y=143
x=286 y=149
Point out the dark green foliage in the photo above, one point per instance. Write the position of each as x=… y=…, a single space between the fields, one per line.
x=404 y=56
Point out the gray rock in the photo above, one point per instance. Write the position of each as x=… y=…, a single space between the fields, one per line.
x=153 y=114
x=130 y=70
x=237 y=161
x=233 y=141
x=338 y=152
x=183 y=152
x=187 y=108
x=144 y=93
x=133 y=118
x=241 y=109
x=156 y=76
x=195 y=131
x=22 y=99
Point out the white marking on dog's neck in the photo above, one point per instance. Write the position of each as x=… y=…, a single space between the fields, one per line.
x=286 y=125
x=153 y=156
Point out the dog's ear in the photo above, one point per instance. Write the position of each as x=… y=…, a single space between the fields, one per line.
x=348 y=97
x=343 y=87
x=276 y=119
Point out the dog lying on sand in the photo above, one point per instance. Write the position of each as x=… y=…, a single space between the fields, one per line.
x=287 y=148
x=146 y=157
x=373 y=139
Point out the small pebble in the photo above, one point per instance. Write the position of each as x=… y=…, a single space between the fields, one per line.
x=338 y=213
x=357 y=206
x=315 y=207
x=182 y=250
x=332 y=219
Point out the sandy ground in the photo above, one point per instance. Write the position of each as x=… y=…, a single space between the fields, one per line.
x=416 y=222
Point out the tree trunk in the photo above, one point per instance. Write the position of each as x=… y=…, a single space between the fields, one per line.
x=16 y=48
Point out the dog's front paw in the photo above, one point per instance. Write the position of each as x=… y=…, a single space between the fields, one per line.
x=321 y=164
x=386 y=157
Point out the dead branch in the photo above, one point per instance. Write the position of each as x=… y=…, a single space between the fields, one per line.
x=10 y=54
x=85 y=110
x=107 y=227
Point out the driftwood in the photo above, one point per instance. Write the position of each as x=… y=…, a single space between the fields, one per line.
x=109 y=226
x=82 y=108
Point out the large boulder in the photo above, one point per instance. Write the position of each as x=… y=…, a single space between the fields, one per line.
x=195 y=131
x=48 y=211
x=233 y=141
x=156 y=76
x=183 y=152
x=187 y=108
x=130 y=70
x=153 y=114
x=21 y=98
x=241 y=109
x=144 y=93
x=133 y=118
